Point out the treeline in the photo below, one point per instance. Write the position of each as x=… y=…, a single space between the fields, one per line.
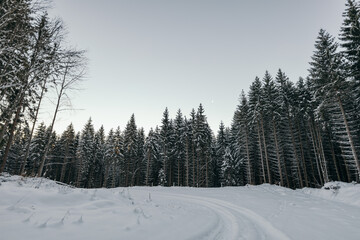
x=301 y=134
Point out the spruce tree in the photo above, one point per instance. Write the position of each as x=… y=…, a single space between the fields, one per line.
x=330 y=90
x=243 y=138
x=85 y=154
x=287 y=134
x=202 y=141
x=229 y=169
x=130 y=151
x=179 y=148
x=109 y=155
x=36 y=150
x=96 y=168
x=350 y=37
x=152 y=155
x=167 y=139
x=67 y=141
x=257 y=119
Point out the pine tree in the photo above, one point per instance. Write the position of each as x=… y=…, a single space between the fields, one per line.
x=222 y=142
x=179 y=148
x=257 y=119
x=67 y=141
x=17 y=150
x=109 y=155
x=96 y=167
x=304 y=118
x=167 y=139
x=202 y=141
x=36 y=149
x=243 y=139
x=287 y=133
x=130 y=151
x=139 y=169
x=191 y=147
x=229 y=169
x=152 y=155
x=85 y=154
x=350 y=37
x=330 y=90
x=118 y=159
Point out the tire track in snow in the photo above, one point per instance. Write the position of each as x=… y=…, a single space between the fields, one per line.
x=256 y=226
x=226 y=226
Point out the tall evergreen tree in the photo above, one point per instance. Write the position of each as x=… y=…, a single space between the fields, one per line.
x=179 y=148
x=109 y=155
x=130 y=151
x=202 y=141
x=67 y=140
x=330 y=92
x=350 y=37
x=167 y=139
x=243 y=143
x=85 y=155
x=152 y=155
x=257 y=119
x=36 y=149
x=96 y=168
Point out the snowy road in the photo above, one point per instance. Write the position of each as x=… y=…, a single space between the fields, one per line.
x=39 y=209
x=233 y=222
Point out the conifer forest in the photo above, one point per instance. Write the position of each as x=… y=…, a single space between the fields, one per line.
x=291 y=132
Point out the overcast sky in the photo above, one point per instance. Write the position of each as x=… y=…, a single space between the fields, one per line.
x=147 y=55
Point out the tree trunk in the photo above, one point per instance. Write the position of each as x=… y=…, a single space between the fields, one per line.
x=197 y=168
x=207 y=171
x=261 y=153
x=2 y=133
x=52 y=125
x=303 y=158
x=265 y=150
x=278 y=154
x=32 y=131
x=187 y=162
x=79 y=173
x=63 y=171
x=249 y=177
x=315 y=147
x=334 y=161
x=295 y=152
x=148 y=167
x=106 y=175
x=170 y=175
x=178 y=171
x=349 y=136
x=323 y=164
x=193 y=165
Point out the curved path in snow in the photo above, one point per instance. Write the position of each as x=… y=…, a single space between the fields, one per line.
x=234 y=222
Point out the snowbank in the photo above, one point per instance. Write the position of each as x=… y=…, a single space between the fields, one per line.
x=347 y=193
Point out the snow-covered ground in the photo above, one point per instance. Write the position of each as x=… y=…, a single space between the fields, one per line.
x=42 y=209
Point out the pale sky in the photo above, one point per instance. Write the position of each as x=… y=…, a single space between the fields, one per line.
x=146 y=55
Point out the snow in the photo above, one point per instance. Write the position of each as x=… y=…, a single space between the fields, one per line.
x=37 y=208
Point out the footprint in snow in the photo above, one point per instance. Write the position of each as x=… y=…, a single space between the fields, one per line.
x=80 y=221
x=44 y=225
x=28 y=219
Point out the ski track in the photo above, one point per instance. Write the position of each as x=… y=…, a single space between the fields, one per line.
x=236 y=222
